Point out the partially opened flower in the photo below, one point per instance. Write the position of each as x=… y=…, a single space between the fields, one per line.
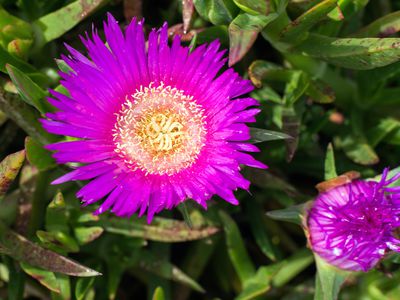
x=351 y=226
x=156 y=124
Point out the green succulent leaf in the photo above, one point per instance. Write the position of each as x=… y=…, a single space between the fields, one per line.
x=330 y=166
x=21 y=249
x=161 y=229
x=254 y=7
x=243 y=32
x=46 y=278
x=298 y=30
x=9 y=168
x=218 y=12
x=292 y=214
x=237 y=251
x=30 y=92
x=55 y=24
x=352 y=53
x=328 y=280
x=38 y=156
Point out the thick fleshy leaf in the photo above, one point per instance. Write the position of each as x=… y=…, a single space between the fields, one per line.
x=296 y=86
x=7 y=58
x=259 y=135
x=82 y=287
x=385 y=126
x=237 y=251
x=38 y=156
x=182 y=207
x=158 y=294
x=298 y=30
x=30 y=92
x=330 y=166
x=292 y=266
x=196 y=260
x=19 y=47
x=166 y=270
x=352 y=53
x=259 y=230
x=14 y=33
x=383 y=27
x=328 y=280
x=25 y=116
x=218 y=12
x=57 y=23
x=243 y=32
x=161 y=229
x=9 y=168
x=57 y=241
x=292 y=214
x=21 y=249
x=46 y=278
x=259 y=284
x=320 y=92
x=359 y=150
x=86 y=235
x=254 y=7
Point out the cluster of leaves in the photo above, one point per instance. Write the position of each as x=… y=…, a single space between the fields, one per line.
x=325 y=72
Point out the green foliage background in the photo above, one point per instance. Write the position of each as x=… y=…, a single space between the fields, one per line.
x=327 y=76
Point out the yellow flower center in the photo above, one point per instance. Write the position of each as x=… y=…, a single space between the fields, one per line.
x=162 y=131
x=159 y=130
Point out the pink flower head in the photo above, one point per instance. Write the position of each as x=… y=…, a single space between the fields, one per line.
x=155 y=123
x=351 y=226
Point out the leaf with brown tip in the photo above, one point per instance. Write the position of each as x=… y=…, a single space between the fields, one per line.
x=21 y=249
x=9 y=169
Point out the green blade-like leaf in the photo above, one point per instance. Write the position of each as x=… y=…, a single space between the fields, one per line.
x=19 y=47
x=254 y=7
x=237 y=251
x=295 y=87
x=328 y=280
x=25 y=116
x=330 y=167
x=21 y=249
x=161 y=229
x=46 y=278
x=167 y=270
x=55 y=24
x=7 y=58
x=218 y=12
x=291 y=214
x=86 y=235
x=38 y=156
x=259 y=230
x=30 y=92
x=259 y=135
x=83 y=285
x=353 y=53
x=291 y=267
x=359 y=150
x=259 y=284
x=9 y=168
x=385 y=26
x=243 y=32
x=158 y=294
x=298 y=30
x=385 y=126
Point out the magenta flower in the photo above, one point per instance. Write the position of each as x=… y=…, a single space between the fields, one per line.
x=156 y=124
x=351 y=226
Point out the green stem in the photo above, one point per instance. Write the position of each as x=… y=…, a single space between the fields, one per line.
x=39 y=203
